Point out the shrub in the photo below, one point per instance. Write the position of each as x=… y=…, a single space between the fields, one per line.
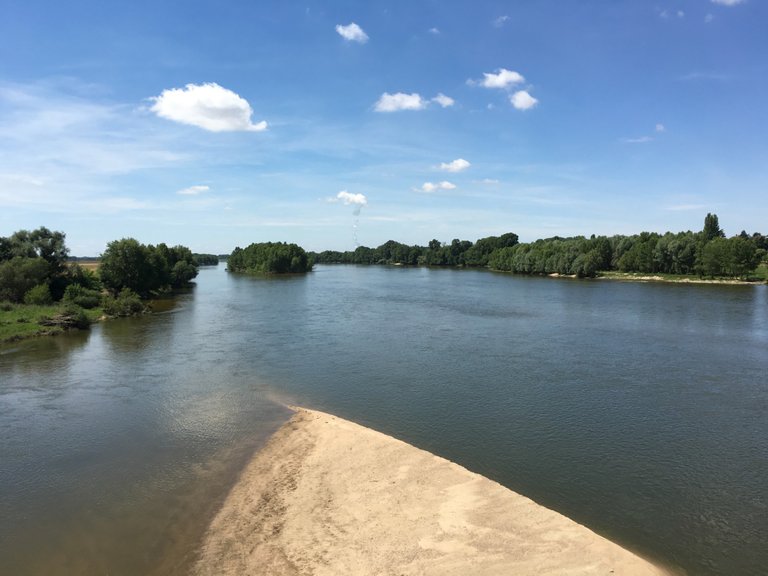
x=126 y=303
x=39 y=295
x=82 y=296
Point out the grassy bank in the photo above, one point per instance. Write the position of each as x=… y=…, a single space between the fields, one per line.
x=760 y=275
x=18 y=321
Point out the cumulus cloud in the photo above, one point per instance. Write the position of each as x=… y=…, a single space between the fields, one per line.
x=443 y=100
x=455 y=166
x=503 y=78
x=348 y=198
x=352 y=32
x=727 y=2
x=207 y=106
x=193 y=190
x=351 y=199
x=522 y=100
x=431 y=187
x=400 y=101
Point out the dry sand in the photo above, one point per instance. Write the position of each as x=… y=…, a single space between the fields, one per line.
x=329 y=497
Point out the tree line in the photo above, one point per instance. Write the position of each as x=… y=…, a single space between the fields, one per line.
x=707 y=253
x=34 y=269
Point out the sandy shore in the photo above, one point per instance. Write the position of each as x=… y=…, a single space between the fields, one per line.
x=329 y=497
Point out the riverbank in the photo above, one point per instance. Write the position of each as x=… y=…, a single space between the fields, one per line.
x=22 y=321
x=327 y=496
x=674 y=279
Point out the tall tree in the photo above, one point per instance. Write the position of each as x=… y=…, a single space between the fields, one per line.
x=712 y=228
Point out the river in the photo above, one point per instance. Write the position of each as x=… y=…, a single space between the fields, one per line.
x=636 y=409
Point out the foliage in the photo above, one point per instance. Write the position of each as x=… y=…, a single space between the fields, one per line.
x=457 y=253
x=206 y=259
x=39 y=295
x=84 y=277
x=126 y=303
x=81 y=296
x=19 y=274
x=269 y=258
x=145 y=269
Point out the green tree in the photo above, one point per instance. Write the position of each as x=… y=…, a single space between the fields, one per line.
x=712 y=228
x=18 y=275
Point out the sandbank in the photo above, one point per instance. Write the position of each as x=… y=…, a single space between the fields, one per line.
x=326 y=496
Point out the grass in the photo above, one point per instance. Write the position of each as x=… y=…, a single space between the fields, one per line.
x=759 y=275
x=18 y=321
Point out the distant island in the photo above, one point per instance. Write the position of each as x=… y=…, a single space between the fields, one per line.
x=269 y=258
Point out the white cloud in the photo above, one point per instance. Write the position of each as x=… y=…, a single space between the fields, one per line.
x=489 y=181
x=400 y=101
x=207 y=106
x=352 y=32
x=443 y=100
x=358 y=201
x=500 y=21
x=661 y=128
x=348 y=198
x=708 y=18
x=455 y=166
x=727 y=2
x=522 y=100
x=193 y=190
x=431 y=187
x=503 y=78
x=434 y=31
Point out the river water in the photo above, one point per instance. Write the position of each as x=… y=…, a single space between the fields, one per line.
x=639 y=410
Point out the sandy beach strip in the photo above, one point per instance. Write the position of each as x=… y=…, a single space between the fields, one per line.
x=329 y=497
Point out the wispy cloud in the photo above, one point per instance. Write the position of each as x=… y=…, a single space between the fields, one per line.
x=638 y=140
x=207 y=106
x=666 y=14
x=193 y=190
x=687 y=207
x=712 y=76
x=352 y=33
x=500 y=21
x=455 y=165
x=522 y=100
x=727 y=2
x=435 y=31
x=443 y=100
x=400 y=101
x=660 y=128
x=432 y=187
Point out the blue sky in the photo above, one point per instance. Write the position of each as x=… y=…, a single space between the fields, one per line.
x=216 y=123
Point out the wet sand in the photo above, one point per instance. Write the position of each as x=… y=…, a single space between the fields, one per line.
x=327 y=496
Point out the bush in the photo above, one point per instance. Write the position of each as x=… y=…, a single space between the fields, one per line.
x=82 y=296
x=127 y=303
x=39 y=295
